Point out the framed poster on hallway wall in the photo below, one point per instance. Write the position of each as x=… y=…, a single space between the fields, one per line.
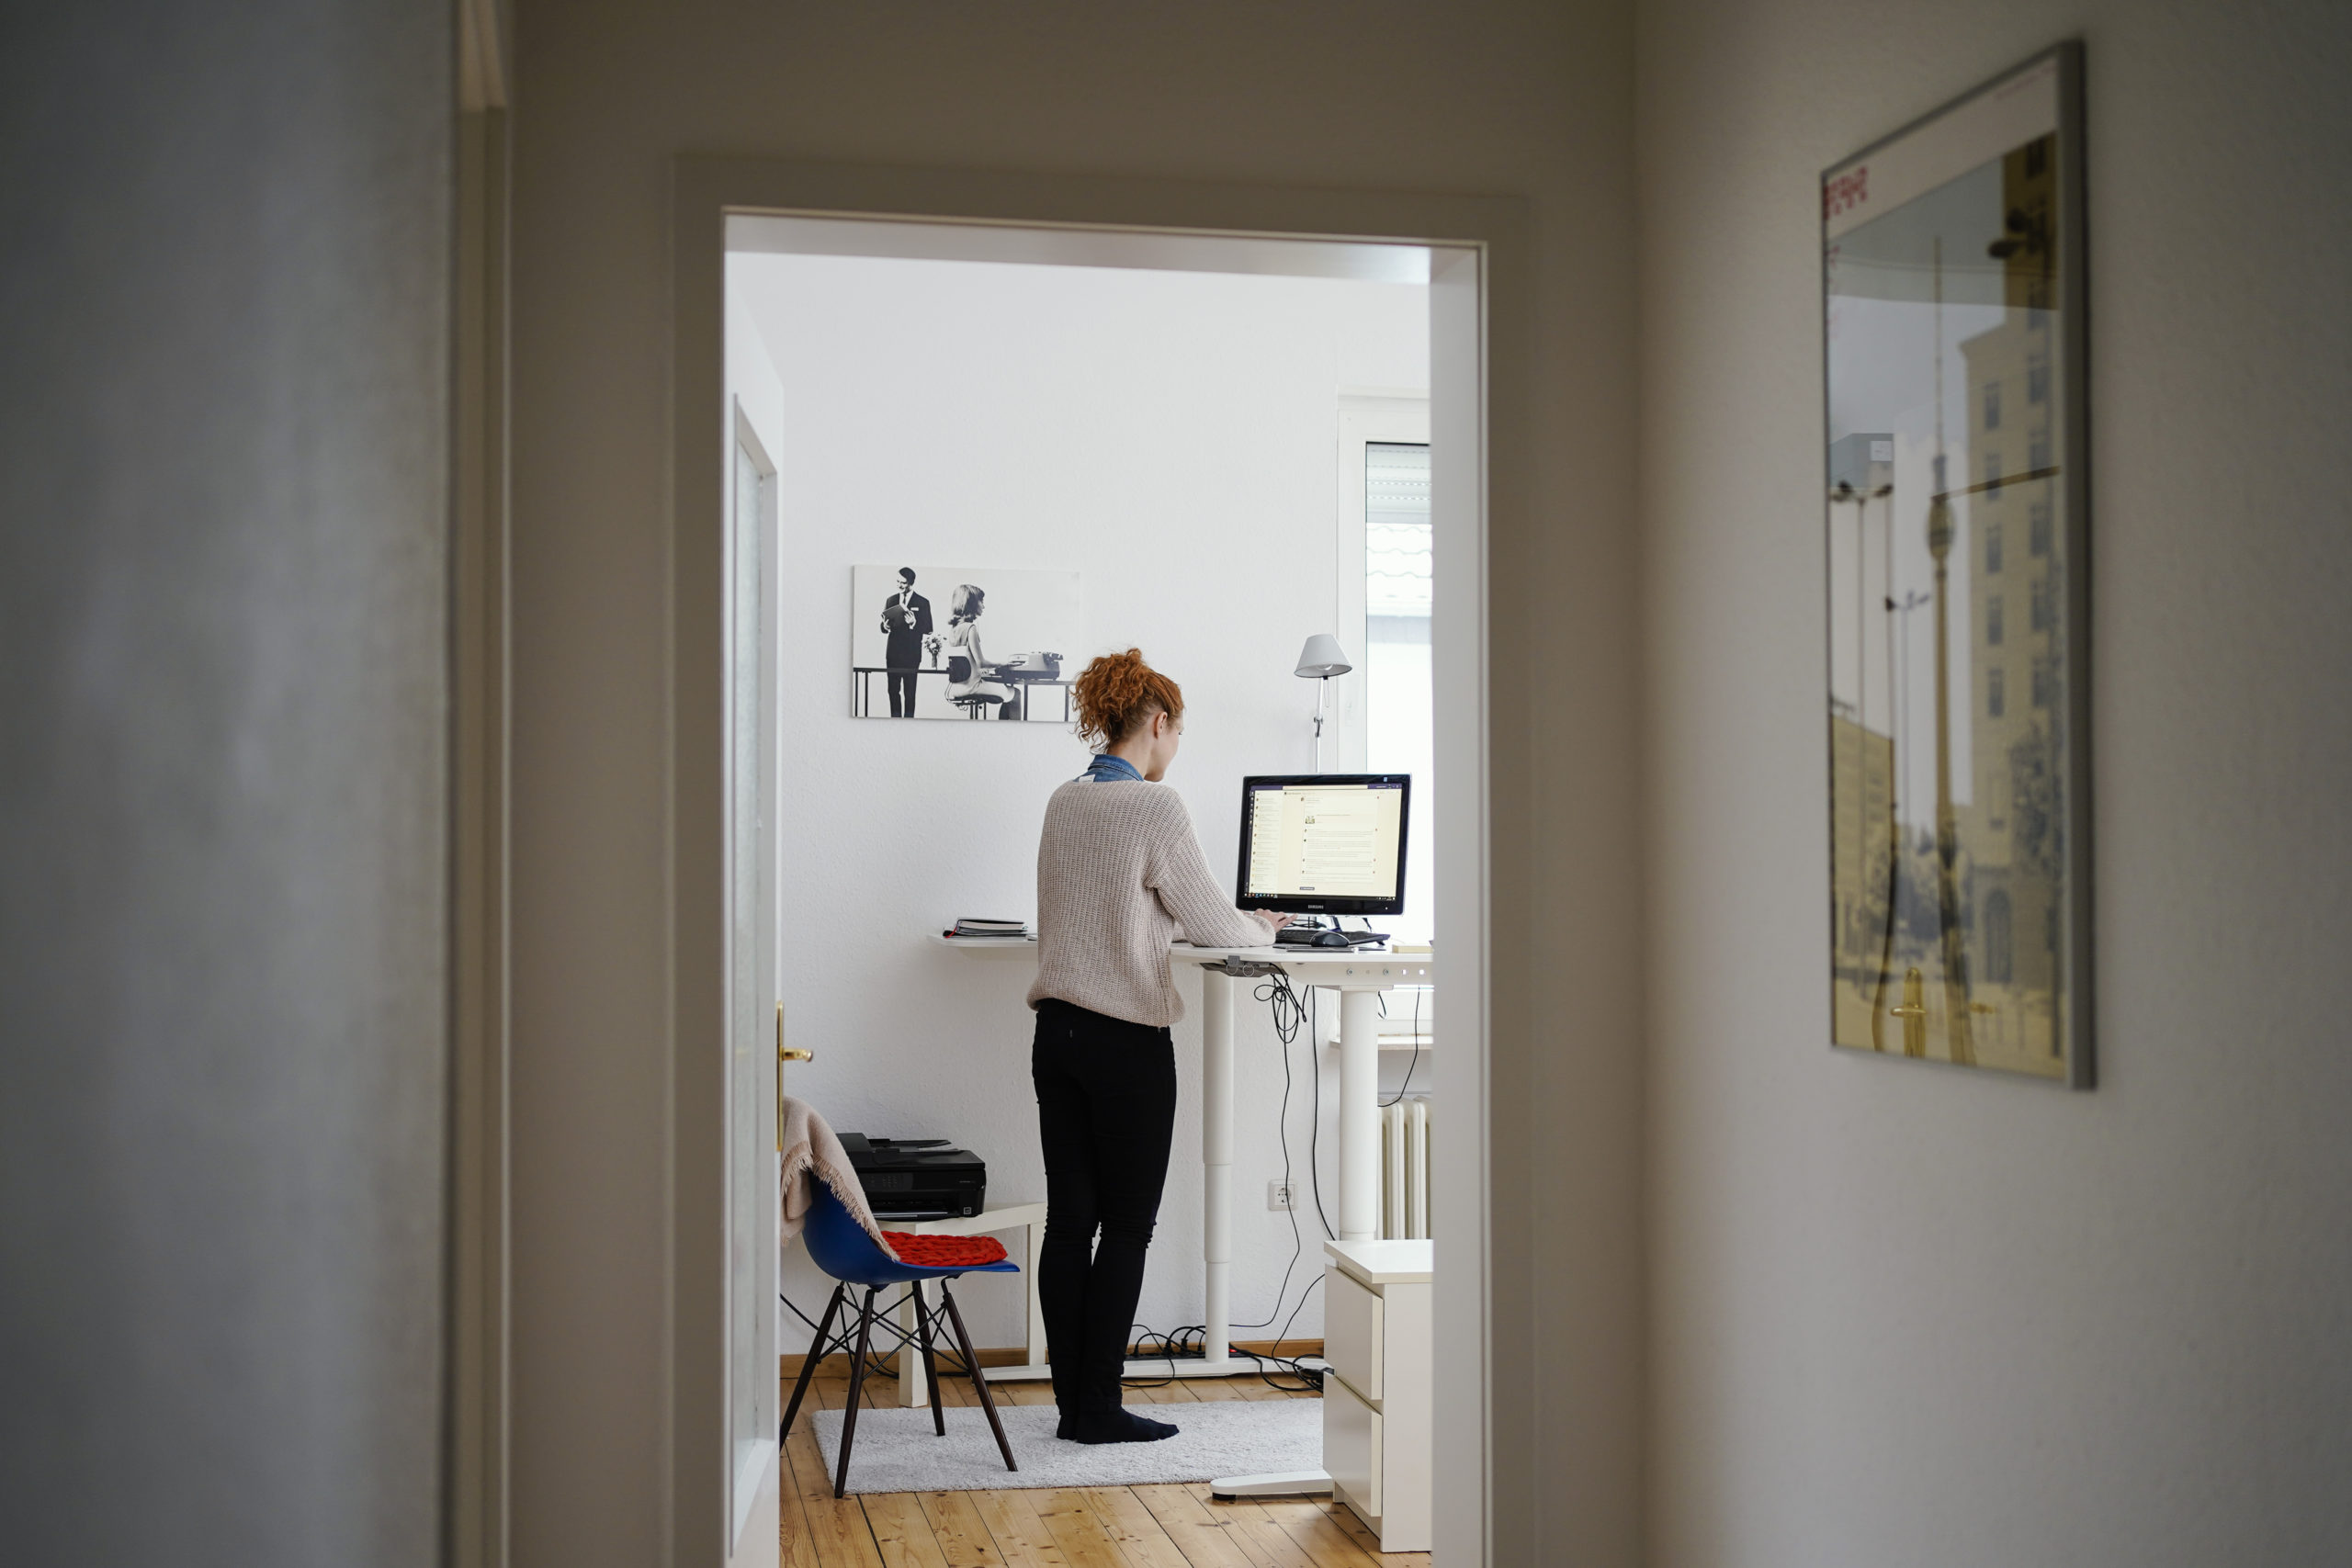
x=1956 y=509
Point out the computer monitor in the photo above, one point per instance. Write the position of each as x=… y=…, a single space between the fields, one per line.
x=1325 y=843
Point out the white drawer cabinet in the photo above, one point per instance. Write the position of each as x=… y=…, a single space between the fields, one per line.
x=1377 y=1394
x=1352 y=1330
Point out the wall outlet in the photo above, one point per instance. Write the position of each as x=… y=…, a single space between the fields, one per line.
x=1279 y=1196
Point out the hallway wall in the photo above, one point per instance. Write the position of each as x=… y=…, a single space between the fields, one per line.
x=1512 y=97
x=1912 y=1316
x=224 y=513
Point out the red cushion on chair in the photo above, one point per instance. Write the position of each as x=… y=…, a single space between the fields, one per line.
x=945 y=1251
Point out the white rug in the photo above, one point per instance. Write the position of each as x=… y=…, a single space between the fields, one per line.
x=896 y=1451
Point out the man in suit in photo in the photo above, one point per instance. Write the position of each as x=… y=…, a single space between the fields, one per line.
x=906 y=620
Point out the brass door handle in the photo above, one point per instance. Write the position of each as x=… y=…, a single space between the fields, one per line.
x=1907 y=1011
x=783 y=1053
x=788 y=1053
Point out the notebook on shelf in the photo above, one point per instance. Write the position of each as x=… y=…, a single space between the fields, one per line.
x=970 y=927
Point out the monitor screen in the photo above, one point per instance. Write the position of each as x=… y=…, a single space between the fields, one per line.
x=1324 y=843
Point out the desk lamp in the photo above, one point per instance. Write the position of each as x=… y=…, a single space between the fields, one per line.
x=1318 y=661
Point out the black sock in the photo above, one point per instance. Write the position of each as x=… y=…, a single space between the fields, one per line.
x=1118 y=1425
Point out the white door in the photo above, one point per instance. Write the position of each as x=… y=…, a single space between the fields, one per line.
x=753 y=1023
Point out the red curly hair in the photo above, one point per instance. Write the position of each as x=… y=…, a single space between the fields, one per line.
x=1119 y=692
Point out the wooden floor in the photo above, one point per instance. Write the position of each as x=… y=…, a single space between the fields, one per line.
x=1099 y=1527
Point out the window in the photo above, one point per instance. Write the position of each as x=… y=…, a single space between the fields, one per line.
x=2044 y=680
x=1397 y=604
x=1998 y=958
x=1993 y=695
x=1993 y=547
x=1992 y=475
x=2037 y=379
x=1993 y=624
x=2038 y=529
x=1992 y=405
x=2041 y=606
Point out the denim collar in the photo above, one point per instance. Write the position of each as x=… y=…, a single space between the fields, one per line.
x=1107 y=769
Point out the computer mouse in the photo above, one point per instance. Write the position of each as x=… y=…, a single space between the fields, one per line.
x=1331 y=938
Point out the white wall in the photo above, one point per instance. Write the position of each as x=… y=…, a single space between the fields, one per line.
x=1168 y=435
x=1920 y=1316
x=224 y=783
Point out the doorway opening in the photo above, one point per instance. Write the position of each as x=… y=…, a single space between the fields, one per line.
x=1408 y=446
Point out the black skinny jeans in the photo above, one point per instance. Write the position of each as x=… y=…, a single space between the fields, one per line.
x=1106 y=1110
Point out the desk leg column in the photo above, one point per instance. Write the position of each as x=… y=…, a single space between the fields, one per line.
x=912 y=1388
x=1217 y=1099
x=1359 y=1115
x=1217 y=1156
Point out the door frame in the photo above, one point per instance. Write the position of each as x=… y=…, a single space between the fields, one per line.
x=752 y=1489
x=1481 y=310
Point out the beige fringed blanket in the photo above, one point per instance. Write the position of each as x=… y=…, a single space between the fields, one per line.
x=811 y=1154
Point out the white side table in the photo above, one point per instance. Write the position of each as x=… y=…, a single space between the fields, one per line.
x=1028 y=1218
x=1378 y=1393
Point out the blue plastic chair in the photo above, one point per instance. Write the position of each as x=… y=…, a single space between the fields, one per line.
x=842 y=1249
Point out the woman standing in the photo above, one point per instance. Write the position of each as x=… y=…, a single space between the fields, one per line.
x=1119 y=873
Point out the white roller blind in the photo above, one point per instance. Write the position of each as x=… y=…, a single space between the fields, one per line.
x=1397 y=539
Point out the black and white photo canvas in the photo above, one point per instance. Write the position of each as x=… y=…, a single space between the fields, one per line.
x=968 y=643
x=1957 y=530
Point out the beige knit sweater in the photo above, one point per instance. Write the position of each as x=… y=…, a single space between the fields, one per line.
x=1120 y=872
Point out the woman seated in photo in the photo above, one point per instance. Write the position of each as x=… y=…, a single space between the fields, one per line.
x=968 y=685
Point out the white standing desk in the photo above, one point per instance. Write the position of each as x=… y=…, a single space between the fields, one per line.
x=1359 y=977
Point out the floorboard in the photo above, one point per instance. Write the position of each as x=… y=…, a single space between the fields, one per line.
x=1014 y=1524
x=1139 y=1527
x=1358 y=1531
x=1139 y=1535
x=1324 y=1542
x=795 y=1547
x=902 y=1531
x=838 y=1532
x=1206 y=1537
x=1256 y=1532
x=963 y=1536
x=1070 y=1522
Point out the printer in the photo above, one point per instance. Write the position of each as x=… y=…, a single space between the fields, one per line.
x=917 y=1178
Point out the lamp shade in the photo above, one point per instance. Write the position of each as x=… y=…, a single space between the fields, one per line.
x=1321 y=659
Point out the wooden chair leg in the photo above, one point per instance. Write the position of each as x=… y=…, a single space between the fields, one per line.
x=930 y=1368
x=809 y=1364
x=980 y=1384
x=857 y=1388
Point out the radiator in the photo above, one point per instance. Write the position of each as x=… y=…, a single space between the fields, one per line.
x=1404 y=1170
